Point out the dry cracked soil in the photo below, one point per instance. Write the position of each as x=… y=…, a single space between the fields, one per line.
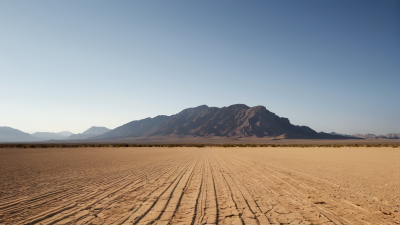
x=209 y=185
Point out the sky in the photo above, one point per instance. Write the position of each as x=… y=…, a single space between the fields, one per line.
x=332 y=65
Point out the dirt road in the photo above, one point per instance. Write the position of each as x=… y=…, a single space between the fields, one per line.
x=200 y=186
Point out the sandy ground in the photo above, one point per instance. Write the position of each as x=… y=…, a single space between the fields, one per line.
x=209 y=185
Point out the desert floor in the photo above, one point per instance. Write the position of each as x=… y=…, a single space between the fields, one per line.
x=209 y=185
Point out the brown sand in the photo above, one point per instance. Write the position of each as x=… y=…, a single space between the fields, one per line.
x=200 y=186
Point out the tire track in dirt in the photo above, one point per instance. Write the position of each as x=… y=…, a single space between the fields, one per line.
x=228 y=211
x=332 y=209
x=164 y=201
x=186 y=208
x=207 y=206
x=280 y=212
x=249 y=211
x=199 y=186
x=100 y=214
x=87 y=197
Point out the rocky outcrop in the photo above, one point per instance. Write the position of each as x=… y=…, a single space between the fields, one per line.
x=236 y=120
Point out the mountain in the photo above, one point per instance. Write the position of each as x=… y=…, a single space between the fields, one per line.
x=373 y=136
x=393 y=136
x=8 y=134
x=91 y=132
x=345 y=135
x=65 y=133
x=48 y=136
x=366 y=136
x=234 y=121
x=135 y=128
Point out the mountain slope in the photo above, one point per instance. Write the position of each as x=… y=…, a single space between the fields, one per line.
x=373 y=136
x=135 y=128
x=48 y=136
x=8 y=134
x=154 y=126
x=236 y=120
x=178 y=124
x=91 y=132
x=65 y=133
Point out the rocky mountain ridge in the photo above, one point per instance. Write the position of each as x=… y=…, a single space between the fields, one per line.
x=371 y=136
x=236 y=120
x=8 y=134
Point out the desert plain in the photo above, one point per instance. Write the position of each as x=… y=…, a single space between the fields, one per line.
x=210 y=185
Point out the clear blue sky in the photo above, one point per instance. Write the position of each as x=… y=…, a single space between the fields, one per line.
x=69 y=65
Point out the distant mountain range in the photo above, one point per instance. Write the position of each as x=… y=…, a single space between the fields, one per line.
x=372 y=136
x=233 y=121
x=91 y=132
x=65 y=133
x=8 y=134
x=52 y=136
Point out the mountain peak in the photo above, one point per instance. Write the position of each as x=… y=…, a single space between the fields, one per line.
x=235 y=120
x=238 y=106
x=9 y=134
x=202 y=106
x=90 y=133
x=65 y=133
x=96 y=130
x=50 y=135
x=195 y=109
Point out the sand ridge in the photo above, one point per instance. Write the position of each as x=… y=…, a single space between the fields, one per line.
x=211 y=185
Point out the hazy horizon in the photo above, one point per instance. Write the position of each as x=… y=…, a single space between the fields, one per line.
x=68 y=66
x=173 y=114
